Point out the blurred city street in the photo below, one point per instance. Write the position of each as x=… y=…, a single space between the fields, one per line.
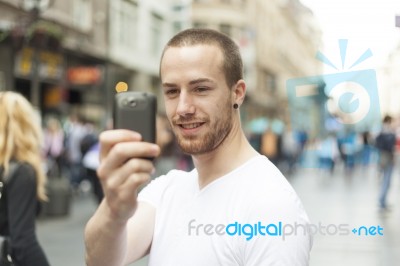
x=62 y=237
x=330 y=200
x=351 y=199
x=321 y=82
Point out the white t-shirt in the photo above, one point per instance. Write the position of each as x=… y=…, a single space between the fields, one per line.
x=213 y=226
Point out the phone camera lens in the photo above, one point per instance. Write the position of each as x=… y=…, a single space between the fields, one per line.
x=132 y=102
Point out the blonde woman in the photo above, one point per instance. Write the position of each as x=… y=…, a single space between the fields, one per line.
x=21 y=142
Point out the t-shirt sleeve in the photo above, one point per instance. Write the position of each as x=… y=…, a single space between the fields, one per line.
x=154 y=191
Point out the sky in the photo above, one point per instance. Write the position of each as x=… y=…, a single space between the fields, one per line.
x=366 y=24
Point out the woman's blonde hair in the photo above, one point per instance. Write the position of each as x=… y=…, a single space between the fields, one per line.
x=21 y=136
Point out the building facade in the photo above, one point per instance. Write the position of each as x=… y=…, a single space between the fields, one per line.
x=67 y=56
x=278 y=40
x=56 y=53
x=389 y=85
x=138 y=31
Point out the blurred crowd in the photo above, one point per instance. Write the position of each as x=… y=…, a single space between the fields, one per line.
x=340 y=144
x=71 y=150
x=336 y=144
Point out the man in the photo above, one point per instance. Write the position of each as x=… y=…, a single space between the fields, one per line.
x=386 y=142
x=230 y=209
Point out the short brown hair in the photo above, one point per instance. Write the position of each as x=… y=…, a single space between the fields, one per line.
x=232 y=65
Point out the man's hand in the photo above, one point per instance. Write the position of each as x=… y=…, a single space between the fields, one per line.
x=123 y=170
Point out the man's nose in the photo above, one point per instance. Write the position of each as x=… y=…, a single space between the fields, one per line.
x=185 y=105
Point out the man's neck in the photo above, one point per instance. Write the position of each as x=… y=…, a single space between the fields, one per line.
x=233 y=152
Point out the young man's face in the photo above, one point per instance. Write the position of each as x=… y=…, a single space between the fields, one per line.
x=198 y=101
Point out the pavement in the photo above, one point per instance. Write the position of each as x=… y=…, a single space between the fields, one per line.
x=62 y=237
x=336 y=204
x=350 y=200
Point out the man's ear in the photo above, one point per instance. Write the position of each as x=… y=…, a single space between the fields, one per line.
x=239 y=92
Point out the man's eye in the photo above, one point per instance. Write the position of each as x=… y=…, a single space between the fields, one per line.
x=171 y=92
x=201 y=89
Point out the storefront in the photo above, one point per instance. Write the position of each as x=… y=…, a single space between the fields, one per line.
x=39 y=76
x=85 y=87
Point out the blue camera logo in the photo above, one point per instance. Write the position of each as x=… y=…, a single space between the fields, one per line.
x=351 y=97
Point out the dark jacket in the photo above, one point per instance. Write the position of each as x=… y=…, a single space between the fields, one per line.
x=386 y=141
x=20 y=212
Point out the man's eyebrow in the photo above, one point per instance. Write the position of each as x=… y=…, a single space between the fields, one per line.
x=200 y=80
x=168 y=85
x=192 y=82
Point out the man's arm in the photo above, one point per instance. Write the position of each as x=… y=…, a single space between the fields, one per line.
x=109 y=242
x=121 y=229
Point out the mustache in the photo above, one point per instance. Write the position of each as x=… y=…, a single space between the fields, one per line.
x=185 y=120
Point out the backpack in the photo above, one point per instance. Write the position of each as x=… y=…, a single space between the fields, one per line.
x=87 y=142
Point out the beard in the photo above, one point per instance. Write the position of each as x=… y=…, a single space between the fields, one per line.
x=215 y=134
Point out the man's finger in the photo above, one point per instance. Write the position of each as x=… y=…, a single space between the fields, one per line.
x=111 y=137
x=130 y=167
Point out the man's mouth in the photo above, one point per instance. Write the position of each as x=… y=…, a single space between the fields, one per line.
x=190 y=126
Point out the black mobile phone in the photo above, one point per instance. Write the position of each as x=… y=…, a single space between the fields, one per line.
x=136 y=111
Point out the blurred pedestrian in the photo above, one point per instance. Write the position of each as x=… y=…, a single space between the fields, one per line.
x=366 y=148
x=270 y=146
x=328 y=152
x=76 y=132
x=20 y=146
x=90 y=163
x=349 y=146
x=290 y=149
x=53 y=146
x=386 y=142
